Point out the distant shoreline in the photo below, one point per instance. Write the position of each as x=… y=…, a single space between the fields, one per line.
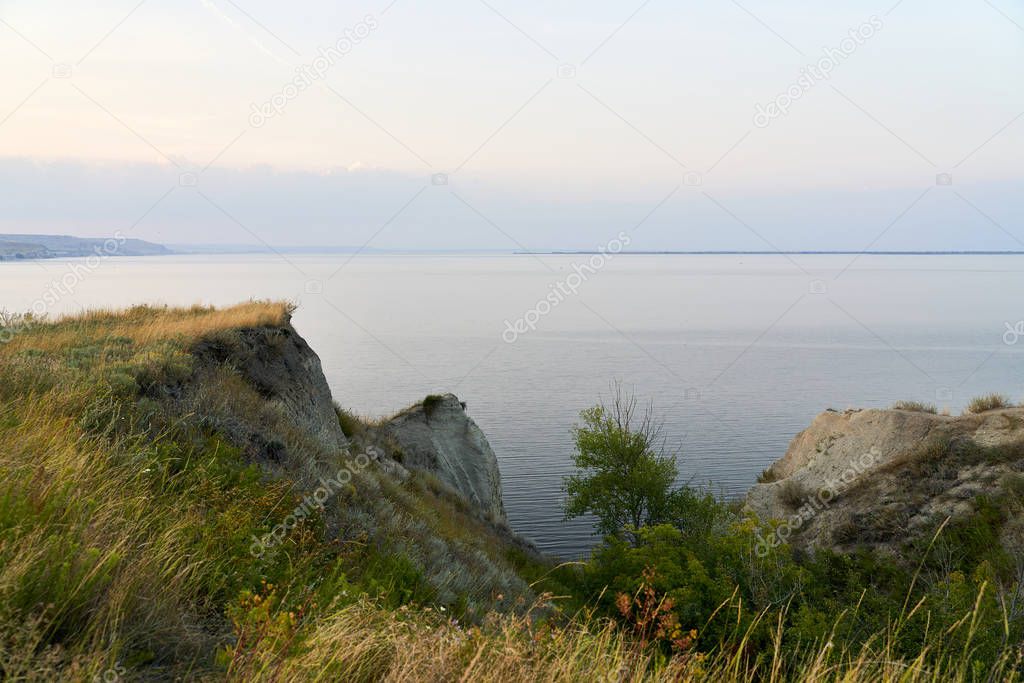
x=215 y=250
x=777 y=253
x=68 y=247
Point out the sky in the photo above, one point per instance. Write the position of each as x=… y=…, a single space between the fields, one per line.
x=490 y=124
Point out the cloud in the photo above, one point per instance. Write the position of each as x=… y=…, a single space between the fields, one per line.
x=356 y=205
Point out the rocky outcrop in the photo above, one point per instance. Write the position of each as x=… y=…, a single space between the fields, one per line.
x=881 y=477
x=284 y=370
x=290 y=420
x=265 y=390
x=439 y=437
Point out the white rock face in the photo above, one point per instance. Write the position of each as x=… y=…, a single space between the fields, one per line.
x=877 y=477
x=441 y=438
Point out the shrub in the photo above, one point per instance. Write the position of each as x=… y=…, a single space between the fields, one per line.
x=792 y=493
x=711 y=580
x=983 y=404
x=350 y=424
x=623 y=478
x=767 y=476
x=915 y=407
x=431 y=403
x=133 y=536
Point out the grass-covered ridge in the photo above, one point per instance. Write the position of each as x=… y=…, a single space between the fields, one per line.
x=133 y=483
x=143 y=451
x=146 y=325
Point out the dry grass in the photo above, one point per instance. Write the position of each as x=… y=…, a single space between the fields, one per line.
x=915 y=407
x=147 y=324
x=126 y=519
x=793 y=494
x=125 y=532
x=983 y=404
x=361 y=642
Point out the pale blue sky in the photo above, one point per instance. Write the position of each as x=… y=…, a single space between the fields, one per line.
x=473 y=89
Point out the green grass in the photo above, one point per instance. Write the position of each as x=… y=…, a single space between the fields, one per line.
x=431 y=403
x=128 y=509
x=130 y=497
x=351 y=425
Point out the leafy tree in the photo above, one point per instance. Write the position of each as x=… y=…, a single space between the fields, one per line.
x=625 y=479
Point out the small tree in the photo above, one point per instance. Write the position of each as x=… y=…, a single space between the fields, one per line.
x=625 y=479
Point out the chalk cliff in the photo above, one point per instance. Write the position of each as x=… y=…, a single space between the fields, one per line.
x=879 y=478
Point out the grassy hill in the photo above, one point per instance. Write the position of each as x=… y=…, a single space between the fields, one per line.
x=16 y=247
x=147 y=455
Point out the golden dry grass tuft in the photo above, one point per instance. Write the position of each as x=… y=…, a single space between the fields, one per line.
x=146 y=325
x=983 y=404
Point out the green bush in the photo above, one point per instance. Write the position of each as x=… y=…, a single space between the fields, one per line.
x=431 y=403
x=706 y=568
x=351 y=425
x=623 y=477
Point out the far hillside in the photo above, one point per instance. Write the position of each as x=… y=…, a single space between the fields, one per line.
x=19 y=247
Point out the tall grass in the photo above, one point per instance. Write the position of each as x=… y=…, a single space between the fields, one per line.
x=125 y=549
x=126 y=522
x=147 y=324
x=362 y=642
x=983 y=404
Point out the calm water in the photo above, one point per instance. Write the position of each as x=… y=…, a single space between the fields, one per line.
x=738 y=352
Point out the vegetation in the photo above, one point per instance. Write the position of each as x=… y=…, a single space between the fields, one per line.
x=351 y=425
x=915 y=407
x=702 y=583
x=431 y=403
x=623 y=481
x=793 y=494
x=982 y=404
x=134 y=489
